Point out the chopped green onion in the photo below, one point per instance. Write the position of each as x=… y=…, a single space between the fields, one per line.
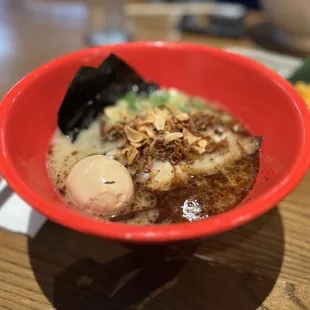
x=184 y=108
x=131 y=100
x=110 y=121
x=181 y=103
x=159 y=99
x=198 y=103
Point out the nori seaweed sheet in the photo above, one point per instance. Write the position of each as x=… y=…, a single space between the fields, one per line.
x=93 y=89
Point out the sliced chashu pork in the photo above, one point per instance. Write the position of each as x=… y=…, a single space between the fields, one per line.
x=163 y=174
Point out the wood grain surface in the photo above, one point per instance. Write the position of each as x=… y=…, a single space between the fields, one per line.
x=262 y=265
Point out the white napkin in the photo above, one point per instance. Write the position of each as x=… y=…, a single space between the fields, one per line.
x=16 y=215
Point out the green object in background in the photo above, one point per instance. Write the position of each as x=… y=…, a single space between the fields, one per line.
x=302 y=74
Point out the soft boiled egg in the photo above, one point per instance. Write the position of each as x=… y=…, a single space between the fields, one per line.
x=100 y=185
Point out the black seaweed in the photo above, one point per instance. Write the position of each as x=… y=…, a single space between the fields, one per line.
x=93 y=89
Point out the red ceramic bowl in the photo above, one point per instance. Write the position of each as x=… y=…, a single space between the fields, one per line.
x=260 y=98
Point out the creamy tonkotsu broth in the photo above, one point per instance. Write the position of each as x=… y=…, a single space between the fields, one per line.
x=188 y=159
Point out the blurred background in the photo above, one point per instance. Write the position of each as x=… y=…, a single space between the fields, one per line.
x=35 y=31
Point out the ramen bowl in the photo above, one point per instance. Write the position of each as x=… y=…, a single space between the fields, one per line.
x=266 y=103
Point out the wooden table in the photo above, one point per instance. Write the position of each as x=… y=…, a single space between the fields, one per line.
x=263 y=265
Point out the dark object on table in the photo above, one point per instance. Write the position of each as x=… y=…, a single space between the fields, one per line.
x=265 y=35
x=93 y=89
x=302 y=74
x=226 y=20
x=251 y=4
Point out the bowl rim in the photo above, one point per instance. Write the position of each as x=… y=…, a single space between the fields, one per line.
x=170 y=232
